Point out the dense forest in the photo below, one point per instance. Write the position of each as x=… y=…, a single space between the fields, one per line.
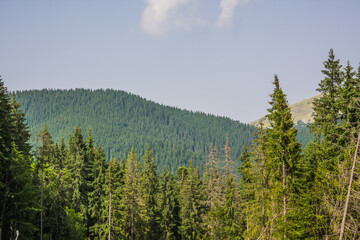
x=69 y=191
x=120 y=121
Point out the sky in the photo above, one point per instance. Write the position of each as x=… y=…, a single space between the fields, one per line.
x=213 y=56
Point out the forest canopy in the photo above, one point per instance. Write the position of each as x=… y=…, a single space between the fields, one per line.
x=68 y=190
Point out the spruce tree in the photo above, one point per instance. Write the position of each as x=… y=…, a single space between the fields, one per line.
x=231 y=215
x=114 y=182
x=336 y=127
x=96 y=197
x=283 y=151
x=132 y=205
x=17 y=192
x=192 y=204
x=77 y=165
x=20 y=130
x=255 y=189
x=150 y=186
x=214 y=194
x=169 y=206
x=327 y=106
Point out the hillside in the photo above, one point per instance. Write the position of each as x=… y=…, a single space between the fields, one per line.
x=120 y=121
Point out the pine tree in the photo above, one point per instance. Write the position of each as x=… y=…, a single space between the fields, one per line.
x=284 y=155
x=255 y=189
x=77 y=165
x=231 y=219
x=335 y=128
x=20 y=130
x=192 y=204
x=17 y=192
x=114 y=184
x=327 y=106
x=5 y=160
x=97 y=196
x=133 y=223
x=215 y=196
x=150 y=186
x=169 y=207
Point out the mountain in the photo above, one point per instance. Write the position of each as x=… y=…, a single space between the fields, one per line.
x=303 y=115
x=120 y=121
x=301 y=111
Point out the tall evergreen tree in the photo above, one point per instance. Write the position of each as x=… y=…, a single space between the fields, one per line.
x=192 y=204
x=214 y=195
x=78 y=171
x=133 y=222
x=231 y=216
x=284 y=155
x=150 y=185
x=55 y=183
x=255 y=189
x=20 y=130
x=17 y=192
x=169 y=207
x=336 y=128
x=326 y=129
x=114 y=184
x=96 y=197
x=327 y=106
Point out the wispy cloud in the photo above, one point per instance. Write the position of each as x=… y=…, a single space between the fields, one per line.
x=227 y=11
x=163 y=16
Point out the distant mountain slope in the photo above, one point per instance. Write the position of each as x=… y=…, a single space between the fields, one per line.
x=120 y=120
x=303 y=115
x=301 y=111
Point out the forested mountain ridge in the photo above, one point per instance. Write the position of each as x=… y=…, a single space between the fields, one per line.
x=284 y=191
x=120 y=120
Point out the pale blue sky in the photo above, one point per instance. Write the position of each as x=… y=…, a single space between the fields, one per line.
x=215 y=56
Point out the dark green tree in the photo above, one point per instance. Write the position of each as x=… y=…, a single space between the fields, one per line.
x=97 y=195
x=132 y=200
x=113 y=192
x=17 y=192
x=231 y=213
x=192 y=204
x=169 y=206
x=283 y=152
x=255 y=189
x=150 y=185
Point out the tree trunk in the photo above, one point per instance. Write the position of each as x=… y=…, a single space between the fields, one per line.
x=285 y=197
x=41 y=212
x=110 y=215
x=342 y=229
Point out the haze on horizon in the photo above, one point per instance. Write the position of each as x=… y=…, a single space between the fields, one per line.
x=216 y=56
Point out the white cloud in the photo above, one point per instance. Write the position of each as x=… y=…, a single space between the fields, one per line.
x=227 y=11
x=163 y=16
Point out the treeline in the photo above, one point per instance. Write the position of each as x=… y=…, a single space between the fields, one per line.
x=70 y=191
x=288 y=193
x=120 y=121
x=284 y=192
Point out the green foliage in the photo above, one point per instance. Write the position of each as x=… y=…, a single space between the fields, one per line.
x=191 y=199
x=336 y=126
x=121 y=121
x=169 y=206
x=112 y=217
x=132 y=201
x=97 y=196
x=17 y=192
x=71 y=192
x=150 y=185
